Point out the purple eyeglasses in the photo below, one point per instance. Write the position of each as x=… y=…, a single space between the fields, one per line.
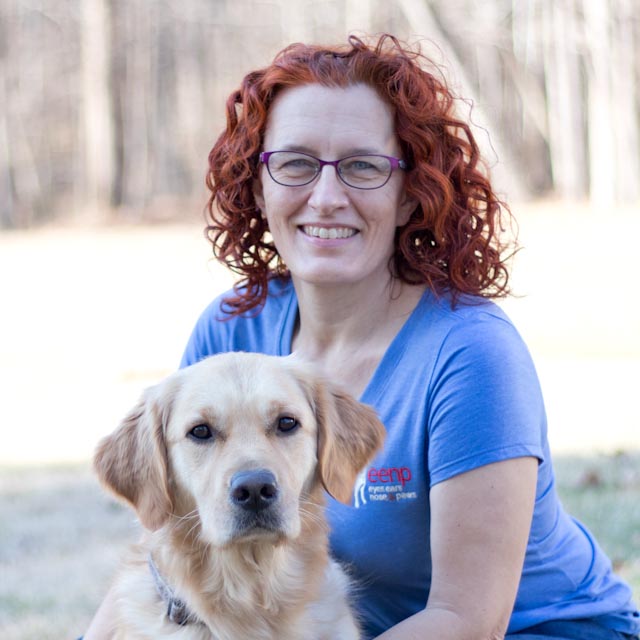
x=364 y=171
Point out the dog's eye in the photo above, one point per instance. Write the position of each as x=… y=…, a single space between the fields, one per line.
x=287 y=424
x=201 y=432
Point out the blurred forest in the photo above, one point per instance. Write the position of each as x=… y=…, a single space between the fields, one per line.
x=112 y=105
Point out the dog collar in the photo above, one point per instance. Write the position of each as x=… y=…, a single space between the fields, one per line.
x=177 y=610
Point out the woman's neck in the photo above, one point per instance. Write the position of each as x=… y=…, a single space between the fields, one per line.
x=346 y=330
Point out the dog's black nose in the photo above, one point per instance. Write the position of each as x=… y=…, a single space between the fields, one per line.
x=254 y=490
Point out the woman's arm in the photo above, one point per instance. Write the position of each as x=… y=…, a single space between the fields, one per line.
x=102 y=625
x=480 y=522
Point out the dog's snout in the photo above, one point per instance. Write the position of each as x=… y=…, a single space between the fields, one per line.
x=254 y=490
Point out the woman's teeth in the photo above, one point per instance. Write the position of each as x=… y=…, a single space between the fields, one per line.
x=328 y=233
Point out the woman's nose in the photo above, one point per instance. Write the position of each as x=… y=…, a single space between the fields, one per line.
x=329 y=192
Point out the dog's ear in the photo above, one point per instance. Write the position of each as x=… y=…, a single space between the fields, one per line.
x=132 y=461
x=349 y=434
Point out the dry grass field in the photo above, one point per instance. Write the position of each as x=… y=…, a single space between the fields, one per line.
x=90 y=316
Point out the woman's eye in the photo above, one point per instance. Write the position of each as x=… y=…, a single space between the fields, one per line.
x=287 y=424
x=298 y=167
x=305 y=164
x=362 y=168
x=201 y=432
x=360 y=165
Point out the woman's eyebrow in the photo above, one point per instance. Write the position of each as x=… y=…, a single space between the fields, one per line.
x=353 y=151
x=296 y=147
x=363 y=151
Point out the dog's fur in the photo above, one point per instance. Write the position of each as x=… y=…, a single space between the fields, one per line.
x=245 y=575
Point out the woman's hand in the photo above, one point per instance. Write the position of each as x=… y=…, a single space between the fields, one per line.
x=480 y=522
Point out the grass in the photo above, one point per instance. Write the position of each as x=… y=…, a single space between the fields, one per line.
x=61 y=537
x=60 y=540
x=604 y=493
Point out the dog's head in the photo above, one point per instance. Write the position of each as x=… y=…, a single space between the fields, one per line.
x=241 y=441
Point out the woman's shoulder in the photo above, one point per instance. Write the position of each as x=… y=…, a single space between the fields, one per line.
x=279 y=293
x=218 y=329
x=467 y=318
x=474 y=335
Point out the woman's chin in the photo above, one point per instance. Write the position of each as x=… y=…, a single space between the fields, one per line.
x=339 y=275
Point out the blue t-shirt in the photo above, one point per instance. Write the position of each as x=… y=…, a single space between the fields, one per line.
x=456 y=389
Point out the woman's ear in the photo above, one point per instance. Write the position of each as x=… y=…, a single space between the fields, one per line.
x=258 y=195
x=406 y=207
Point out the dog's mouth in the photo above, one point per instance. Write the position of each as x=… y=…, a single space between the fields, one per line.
x=257 y=526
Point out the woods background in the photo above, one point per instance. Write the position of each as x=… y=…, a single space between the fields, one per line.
x=112 y=105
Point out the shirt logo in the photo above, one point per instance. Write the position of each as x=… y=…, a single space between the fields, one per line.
x=383 y=484
x=359 y=491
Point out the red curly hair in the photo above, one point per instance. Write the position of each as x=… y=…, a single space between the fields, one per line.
x=453 y=240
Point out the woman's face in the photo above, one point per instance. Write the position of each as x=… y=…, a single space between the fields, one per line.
x=331 y=123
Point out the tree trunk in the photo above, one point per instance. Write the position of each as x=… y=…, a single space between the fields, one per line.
x=135 y=100
x=98 y=117
x=564 y=89
x=626 y=99
x=601 y=114
x=6 y=191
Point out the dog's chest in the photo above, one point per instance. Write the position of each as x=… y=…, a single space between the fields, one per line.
x=282 y=607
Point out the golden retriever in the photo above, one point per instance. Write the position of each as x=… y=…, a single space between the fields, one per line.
x=226 y=463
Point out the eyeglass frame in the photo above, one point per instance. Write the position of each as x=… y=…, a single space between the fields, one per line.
x=396 y=163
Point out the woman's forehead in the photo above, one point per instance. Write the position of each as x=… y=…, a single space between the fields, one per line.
x=313 y=115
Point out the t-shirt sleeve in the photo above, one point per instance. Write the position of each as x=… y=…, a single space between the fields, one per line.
x=486 y=404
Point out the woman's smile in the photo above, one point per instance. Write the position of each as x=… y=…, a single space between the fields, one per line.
x=328 y=233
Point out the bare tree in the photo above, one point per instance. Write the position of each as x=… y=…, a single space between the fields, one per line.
x=563 y=83
x=600 y=109
x=98 y=118
x=625 y=92
x=6 y=190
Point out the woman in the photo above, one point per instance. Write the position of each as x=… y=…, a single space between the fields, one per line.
x=350 y=199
